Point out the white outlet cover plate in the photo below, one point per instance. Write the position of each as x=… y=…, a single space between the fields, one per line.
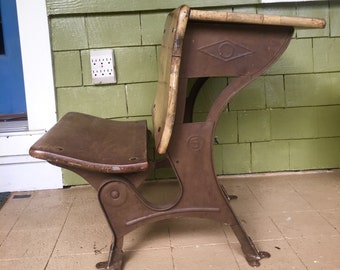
x=103 y=66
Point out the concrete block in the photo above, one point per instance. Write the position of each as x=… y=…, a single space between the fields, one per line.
x=236 y=158
x=270 y=156
x=68 y=33
x=254 y=126
x=294 y=123
x=67 y=69
x=113 y=30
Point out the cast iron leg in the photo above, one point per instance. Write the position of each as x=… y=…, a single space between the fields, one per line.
x=252 y=254
x=190 y=149
x=228 y=196
x=114 y=261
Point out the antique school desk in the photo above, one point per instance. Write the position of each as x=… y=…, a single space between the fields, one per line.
x=112 y=155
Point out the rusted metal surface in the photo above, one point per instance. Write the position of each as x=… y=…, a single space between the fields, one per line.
x=241 y=51
x=111 y=155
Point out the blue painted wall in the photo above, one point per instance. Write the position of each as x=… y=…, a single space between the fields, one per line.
x=12 y=92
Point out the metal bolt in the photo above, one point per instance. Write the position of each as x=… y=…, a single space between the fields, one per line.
x=115 y=194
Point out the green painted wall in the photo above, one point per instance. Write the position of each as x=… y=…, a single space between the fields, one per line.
x=288 y=119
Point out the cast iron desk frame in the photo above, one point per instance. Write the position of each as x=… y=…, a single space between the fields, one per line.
x=112 y=156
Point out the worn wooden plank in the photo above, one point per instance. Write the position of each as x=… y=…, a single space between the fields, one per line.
x=164 y=108
x=247 y=18
x=87 y=142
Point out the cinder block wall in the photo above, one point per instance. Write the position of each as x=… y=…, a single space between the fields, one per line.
x=288 y=119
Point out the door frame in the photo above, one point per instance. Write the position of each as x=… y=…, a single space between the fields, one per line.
x=18 y=171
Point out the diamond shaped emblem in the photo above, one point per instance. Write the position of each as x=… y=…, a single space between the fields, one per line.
x=225 y=50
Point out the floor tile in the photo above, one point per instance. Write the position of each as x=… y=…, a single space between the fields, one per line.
x=152 y=259
x=83 y=239
x=11 y=212
x=3 y=236
x=51 y=199
x=151 y=236
x=202 y=257
x=82 y=194
x=36 y=263
x=29 y=243
x=319 y=194
x=303 y=224
x=318 y=252
x=246 y=202
x=258 y=226
x=294 y=216
x=42 y=218
x=282 y=256
x=89 y=213
x=80 y=261
x=8 y=218
x=195 y=231
x=333 y=217
x=277 y=195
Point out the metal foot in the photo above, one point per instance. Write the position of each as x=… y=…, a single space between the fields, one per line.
x=254 y=261
x=228 y=196
x=105 y=266
x=102 y=265
x=115 y=259
x=251 y=253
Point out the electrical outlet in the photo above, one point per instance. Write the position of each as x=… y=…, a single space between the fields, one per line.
x=102 y=66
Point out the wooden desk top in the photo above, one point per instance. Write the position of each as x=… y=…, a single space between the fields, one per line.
x=249 y=18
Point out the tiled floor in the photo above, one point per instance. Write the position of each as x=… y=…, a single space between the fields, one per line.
x=294 y=217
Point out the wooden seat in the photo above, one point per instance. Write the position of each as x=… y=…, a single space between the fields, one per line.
x=95 y=144
x=111 y=155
